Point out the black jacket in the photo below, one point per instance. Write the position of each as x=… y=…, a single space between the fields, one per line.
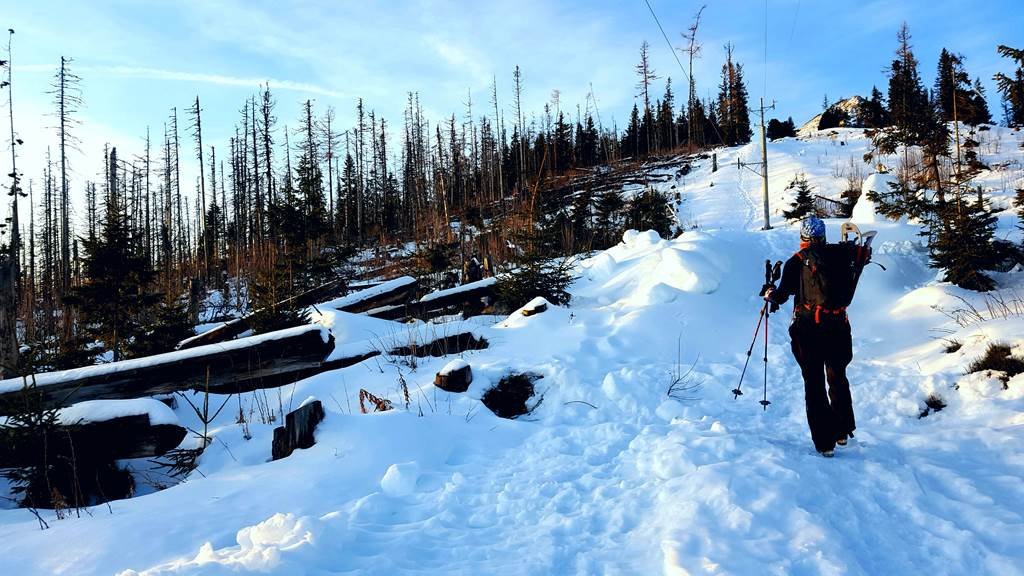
x=789 y=284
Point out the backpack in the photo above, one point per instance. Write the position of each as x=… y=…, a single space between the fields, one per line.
x=829 y=276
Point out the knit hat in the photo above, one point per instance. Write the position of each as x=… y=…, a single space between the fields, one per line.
x=812 y=228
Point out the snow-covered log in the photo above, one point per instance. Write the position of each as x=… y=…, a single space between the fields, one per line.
x=265 y=361
x=133 y=436
x=233 y=328
x=436 y=303
x=396 y=291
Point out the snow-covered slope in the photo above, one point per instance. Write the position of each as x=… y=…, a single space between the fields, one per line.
x=611 y=475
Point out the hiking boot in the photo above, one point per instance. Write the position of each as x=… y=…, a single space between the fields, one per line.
x=844 y=439
x=827 y=453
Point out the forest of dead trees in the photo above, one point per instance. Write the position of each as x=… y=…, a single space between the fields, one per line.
x=284 y=207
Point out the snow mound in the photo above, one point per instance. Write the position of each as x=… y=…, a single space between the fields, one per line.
x=259 y=549
x=400 y=479
x=864 y=212
x=645 y=269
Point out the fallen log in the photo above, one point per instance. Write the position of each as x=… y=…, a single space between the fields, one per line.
x=467 y=297
x=264 y=361
x=234 y=328
x=267 y=361
x=396 y=291
x=118 y=438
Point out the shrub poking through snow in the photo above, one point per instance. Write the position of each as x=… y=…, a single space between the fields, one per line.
x=998 y=358
x=378 y=404
x=509 y=398
x=933 y=403
x=952 y=346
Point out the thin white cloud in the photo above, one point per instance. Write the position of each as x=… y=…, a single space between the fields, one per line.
x=198 y=77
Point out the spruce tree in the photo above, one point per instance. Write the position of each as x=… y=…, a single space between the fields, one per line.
x=896 y=201
x=651 y=210
x=1012 y=87
x=667 y=136
x=733 y=115
x=873 y=113
x=115 y=294
x=631 y=138
x=777 y=129
x=963 y=244
x=953 y=84
x=803 y=205
x=908 y=99
x=607 y=230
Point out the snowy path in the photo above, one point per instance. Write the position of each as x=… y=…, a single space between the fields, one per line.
x=608 y=475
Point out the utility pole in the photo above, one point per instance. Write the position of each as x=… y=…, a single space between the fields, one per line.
x=763 y=172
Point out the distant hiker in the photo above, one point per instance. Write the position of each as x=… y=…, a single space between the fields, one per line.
x=822 y=278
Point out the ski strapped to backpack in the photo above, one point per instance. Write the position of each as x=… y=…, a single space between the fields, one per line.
x=831 y=273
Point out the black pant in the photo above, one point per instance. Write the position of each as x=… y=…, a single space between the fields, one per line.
x=825 y=349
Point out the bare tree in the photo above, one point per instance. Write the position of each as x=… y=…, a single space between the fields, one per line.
x=695 y=126
x=68 y=99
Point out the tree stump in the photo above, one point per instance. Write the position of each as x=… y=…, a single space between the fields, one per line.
x=456 y=376
x=535 y=306
x=298 y=429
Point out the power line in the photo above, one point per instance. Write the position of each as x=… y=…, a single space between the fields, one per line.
x=792 y=30
x=667 y=41
x=676 y=56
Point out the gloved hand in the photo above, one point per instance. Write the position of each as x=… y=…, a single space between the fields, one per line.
x=766 y=292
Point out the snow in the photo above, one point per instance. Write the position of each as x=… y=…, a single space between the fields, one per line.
x=400 y=479
x=611 y=475
x=864 y=209
x=453 y=366
x=102 y=410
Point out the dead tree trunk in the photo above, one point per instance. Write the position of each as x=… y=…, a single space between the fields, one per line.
x=8 y=318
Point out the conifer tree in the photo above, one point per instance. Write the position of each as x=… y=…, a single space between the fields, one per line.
x=1012 y=87
x=115 y=295
x=651 y=210
x=803 y=205
x=908 y=100
x=952 y=81
x=607 y=231
x=631 y=138
x=733 y=115
x=873 y=113
x=777 y=129
x=963 y=244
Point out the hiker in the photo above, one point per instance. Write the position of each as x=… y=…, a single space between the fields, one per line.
x=822 y=278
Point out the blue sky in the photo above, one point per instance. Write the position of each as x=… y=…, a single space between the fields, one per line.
x=138 y=59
